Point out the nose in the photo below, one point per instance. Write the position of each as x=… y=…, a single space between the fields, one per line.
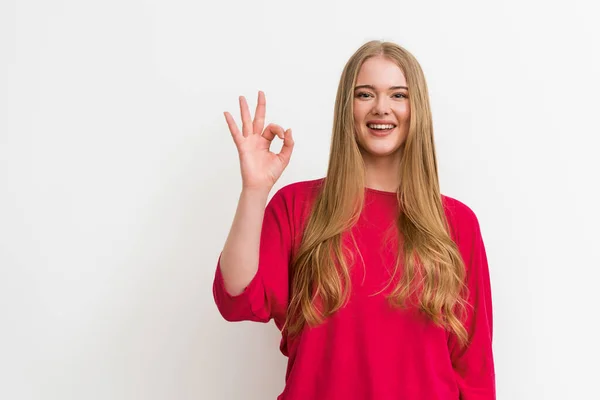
x=381 y=106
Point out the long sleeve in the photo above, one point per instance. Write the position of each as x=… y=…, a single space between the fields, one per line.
x=266 y=295
x=474 y=364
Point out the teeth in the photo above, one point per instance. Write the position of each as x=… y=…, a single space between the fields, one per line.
x=380 y=126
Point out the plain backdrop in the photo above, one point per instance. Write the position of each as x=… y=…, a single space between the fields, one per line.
x=119 y=180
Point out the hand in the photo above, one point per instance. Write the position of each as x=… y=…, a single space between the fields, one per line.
x=259 y=166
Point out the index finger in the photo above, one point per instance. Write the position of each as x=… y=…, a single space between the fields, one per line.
x=259 y=116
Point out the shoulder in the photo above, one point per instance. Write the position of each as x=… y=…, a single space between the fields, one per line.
x=300 y=192
x=290 y=206
x=296 y=199
x=455 y=208
x=302 y=187
x=461 y=218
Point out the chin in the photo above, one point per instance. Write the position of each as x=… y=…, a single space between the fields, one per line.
x=380 y=151
x=377 y=146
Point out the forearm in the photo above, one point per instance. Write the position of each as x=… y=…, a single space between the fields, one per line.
x=239 y=258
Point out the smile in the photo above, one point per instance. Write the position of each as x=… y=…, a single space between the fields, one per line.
x=381 y=126
x=380 y=130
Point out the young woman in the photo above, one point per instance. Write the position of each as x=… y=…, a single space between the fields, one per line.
x=378 y=283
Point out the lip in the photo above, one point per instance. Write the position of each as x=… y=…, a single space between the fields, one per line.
x=381 y=121
x=380 y=133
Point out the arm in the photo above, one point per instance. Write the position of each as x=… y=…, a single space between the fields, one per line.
x=474 y=364
x=239 y=290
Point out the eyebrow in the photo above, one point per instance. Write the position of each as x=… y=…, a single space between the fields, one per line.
x=373 y=87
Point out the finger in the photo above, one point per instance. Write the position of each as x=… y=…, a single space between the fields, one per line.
x=246 y=119
x=259 y=116
x=288 y=145
x=233 y=128
x=271 y=130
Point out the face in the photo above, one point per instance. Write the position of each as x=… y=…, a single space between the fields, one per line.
x=381 y=108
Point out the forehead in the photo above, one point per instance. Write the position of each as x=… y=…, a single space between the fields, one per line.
x=380 y=72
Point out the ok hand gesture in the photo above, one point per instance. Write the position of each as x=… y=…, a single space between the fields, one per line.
x=259 y=166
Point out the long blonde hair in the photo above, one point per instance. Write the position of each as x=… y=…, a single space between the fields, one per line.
x=432 y=267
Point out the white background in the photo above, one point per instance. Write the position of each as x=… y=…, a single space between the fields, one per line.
x=119 y=180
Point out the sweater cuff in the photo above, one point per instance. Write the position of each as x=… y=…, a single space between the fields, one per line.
x=246 y=305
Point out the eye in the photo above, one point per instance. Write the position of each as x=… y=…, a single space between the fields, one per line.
x=363 y=95
x=400 y=95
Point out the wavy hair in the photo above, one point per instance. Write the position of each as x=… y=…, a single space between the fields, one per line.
x=432 y=272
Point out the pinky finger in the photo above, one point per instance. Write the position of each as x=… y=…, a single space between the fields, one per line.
x=233 y=128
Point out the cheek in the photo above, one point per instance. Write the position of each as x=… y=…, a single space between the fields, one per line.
x=403 y=111
x=359 y=112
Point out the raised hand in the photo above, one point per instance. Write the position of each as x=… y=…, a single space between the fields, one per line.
x=259 y=166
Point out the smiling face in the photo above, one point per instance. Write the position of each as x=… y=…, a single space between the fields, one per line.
x=381 y=108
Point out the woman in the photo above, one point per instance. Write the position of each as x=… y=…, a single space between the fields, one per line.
x=379 y=283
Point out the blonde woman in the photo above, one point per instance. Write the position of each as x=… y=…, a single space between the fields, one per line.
x=378 y=282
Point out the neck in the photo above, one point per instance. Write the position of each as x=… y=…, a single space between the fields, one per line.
x=382 y=173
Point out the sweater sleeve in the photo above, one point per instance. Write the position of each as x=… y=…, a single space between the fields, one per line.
x=474 y=364
x=266 y=295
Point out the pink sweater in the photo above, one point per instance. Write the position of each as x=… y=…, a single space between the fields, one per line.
x=368 y=350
